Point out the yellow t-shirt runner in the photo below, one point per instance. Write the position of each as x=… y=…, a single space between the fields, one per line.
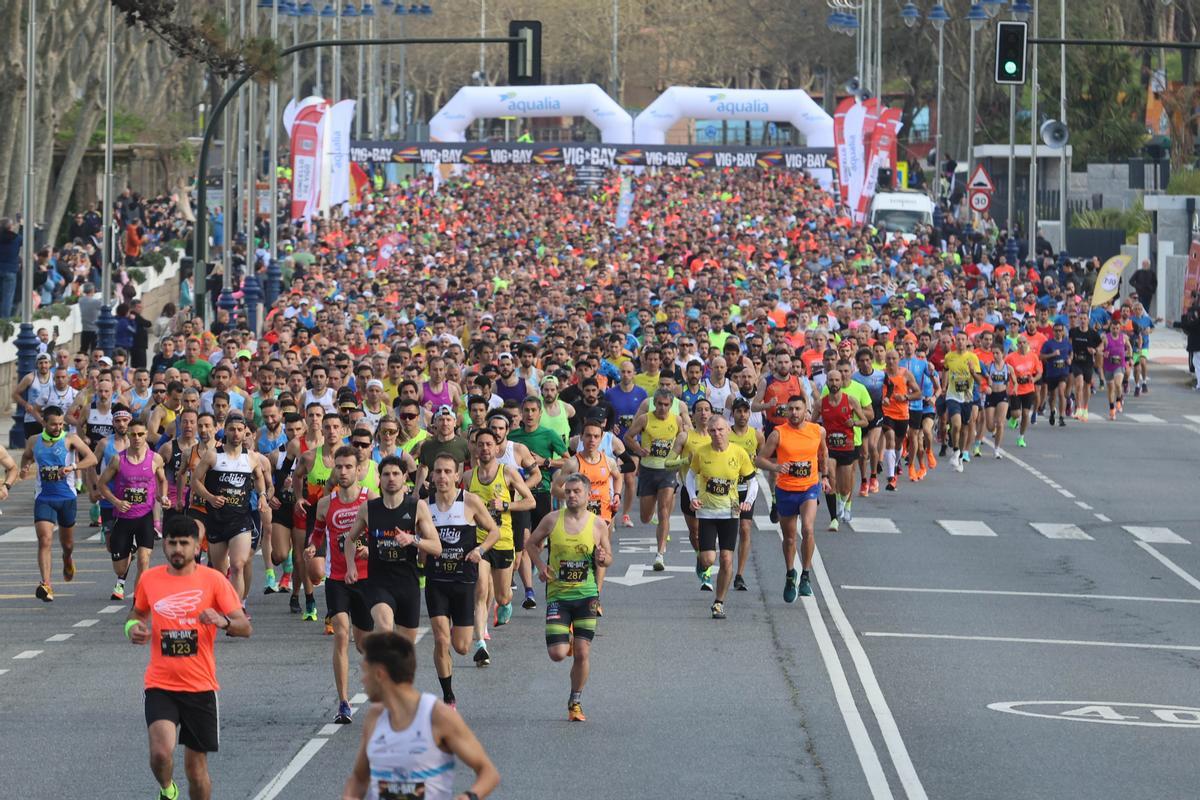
x=717 y=477
x=961 y=369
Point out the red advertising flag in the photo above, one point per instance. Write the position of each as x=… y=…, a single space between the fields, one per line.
x=306 y=160
x=880 y=155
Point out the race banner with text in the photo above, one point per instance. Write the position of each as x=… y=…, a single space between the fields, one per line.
x=591 y=155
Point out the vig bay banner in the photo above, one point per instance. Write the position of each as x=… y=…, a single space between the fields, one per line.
x=591 y=155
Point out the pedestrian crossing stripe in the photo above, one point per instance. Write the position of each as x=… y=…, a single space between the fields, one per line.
x=1153 y=535
x=966 y=527
x=23 y=534
x=1193 y=419
x=1149 y=418
x=1057 y=530
x=872 y=525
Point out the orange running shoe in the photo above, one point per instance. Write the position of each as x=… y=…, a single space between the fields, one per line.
x=864 y=489
x=912 y=472
x=931 y=459
x=874 y=485
x=891 y=484
x=922 y=473
x=575 y=713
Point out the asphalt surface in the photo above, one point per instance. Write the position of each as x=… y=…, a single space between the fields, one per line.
x=878 y=687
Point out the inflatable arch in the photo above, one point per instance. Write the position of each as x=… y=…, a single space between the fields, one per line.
x=768 y=105
x=577 y=100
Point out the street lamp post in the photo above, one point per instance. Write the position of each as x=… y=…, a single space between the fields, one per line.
x=228 y=193
x=401 y=105
x=337 y=55
x=272 y=162
x=977 y=16
x=1063 y=163
x=1031 y=225
x=616 y=80
x=26 y=341
x=106 y=324
x=938 y=16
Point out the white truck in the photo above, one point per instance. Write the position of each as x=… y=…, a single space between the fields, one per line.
x=899 y=213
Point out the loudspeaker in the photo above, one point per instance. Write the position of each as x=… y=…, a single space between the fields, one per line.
x=852 y=86
x=1055 y=134
x=864 y=95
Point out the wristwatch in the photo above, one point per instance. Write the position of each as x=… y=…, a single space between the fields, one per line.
x=470 y=796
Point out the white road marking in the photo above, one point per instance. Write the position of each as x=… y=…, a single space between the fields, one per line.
x=1155 y=535
x=1083 y=505
x=1103 y=518
x=873 y=525
x=25 y=655
x=1065 y=493
x=3 y=671
x=1107 y=713
x=111 y=609
x=330 y=729
x=966 y=527
x=1005 y=593
x=1171 y=565
x=60 y=637
x=24 y=534
x=1026 y=640
x=284 y=777
x=358 y=699
x=1056 y=530
x=1145 y=418
x=1192 y=418
x=85 y=623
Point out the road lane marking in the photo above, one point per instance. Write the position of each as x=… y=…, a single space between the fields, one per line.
x=60 y=637
x=1005 y=593
x=85 y=623
x=873 y=525
x=112 y=609
x=1103 y=518
x=1155 y=535
x=1083 y=505
x=1027 y=640
x=1106 y=712
x=1148 y=418
x=330 y=729
x=285 y=775
x=24 y=534
x=3 y=672
x=1056 y=530
x=1169 y=564
x=358 y=699
x=1065 y=493
x=966 y=527
x=25 y=655
x=1192 y=418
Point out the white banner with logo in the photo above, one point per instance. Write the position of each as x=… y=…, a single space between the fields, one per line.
x=489 y=102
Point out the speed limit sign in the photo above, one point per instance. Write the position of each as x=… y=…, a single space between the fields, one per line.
x=981 y=201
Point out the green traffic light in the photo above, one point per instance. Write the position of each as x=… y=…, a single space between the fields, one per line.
x=1010 y=67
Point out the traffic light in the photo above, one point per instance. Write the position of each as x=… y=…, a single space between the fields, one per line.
x=1010 y=52
x=525 y=56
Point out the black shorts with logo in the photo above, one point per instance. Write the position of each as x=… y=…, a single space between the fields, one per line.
x=341 y=598
x=196 y=714
x=451 y=599
x=722 y=533
x=500 y=559
x=127 y=535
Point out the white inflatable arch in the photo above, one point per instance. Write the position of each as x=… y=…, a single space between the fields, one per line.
x=577 y=100
x=768 y=105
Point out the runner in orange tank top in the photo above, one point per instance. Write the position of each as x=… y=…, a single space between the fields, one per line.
x=796 y=454
x=899 y=389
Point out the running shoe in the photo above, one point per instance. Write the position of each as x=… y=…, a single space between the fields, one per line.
x=503 y=614
x=310 y=610
x=921 y=473
x=864 y=489
x=1052 y=419
x=833 y=523
x=1112 y=413
x=575 y=713
x=626 y=521
x=912 y=472
x=294 y=604
x=978 y=450
x=774 y=513
x=272 y=584
x=169 y=793
x=328 y=625
x=1062 y=422
x=118 y=592
x=44 y=593
x=659 y=566
x=1013 y=423
x=344 y=713
x=789 y=587
x=997 y=452
x=1120 y=406
x=805 y=586
x=930 y=460
x=718 y=610
x=530 y=601
x=285 y=583
x=966 y=456
x=481 y=657
x=847 y=515
x=956 y=460
x=891 y=484
x=739 y=583
x=874 y=485
x=1020 y=441
x=1137 y=392
x=68 y=568
x=706 y=584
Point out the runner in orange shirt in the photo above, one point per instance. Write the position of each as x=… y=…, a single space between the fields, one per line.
x=1025 y=369
x=899 y=389
x=177 y=610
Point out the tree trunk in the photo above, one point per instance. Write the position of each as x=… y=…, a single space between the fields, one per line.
x=11 y=100
x=89 y=117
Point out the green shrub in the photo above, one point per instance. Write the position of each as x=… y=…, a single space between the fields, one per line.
x=1134 y=220
x=1185 y=181
x=59 y=310
x=155 y=259
x=137 y=275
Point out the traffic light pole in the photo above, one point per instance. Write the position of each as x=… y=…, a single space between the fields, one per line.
x=200 y=248
x=1114 y=43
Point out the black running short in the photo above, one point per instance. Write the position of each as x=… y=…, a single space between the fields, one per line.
x=845 y=458
x=996 y=398
x=343 y=599
x=196 y=714
x=544 y=506
x=453 y=600
x=716 y=533
x=1053 y=382
x=685 y=502
x=741 y=499
x=900 y=426
x=1021 y=401
x=402 y=594
x=500 y=559
x=128 y=535
x=1086 y=370
x=228 y=531
x=520 y=523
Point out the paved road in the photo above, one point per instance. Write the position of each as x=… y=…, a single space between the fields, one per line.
x=880 y=687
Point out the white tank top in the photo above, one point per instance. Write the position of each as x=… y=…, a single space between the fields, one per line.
x=720 y=397
x=606 y=444
x=325 y=399
x=408 y=763
x=508 y=458
x=38 y=395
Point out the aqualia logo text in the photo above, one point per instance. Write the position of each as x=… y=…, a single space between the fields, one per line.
x=526 y=106
x=733 y=107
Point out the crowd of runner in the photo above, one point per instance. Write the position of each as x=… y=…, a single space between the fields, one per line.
x=468 y=389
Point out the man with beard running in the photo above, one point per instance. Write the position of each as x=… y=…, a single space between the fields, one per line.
x=335 y=516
